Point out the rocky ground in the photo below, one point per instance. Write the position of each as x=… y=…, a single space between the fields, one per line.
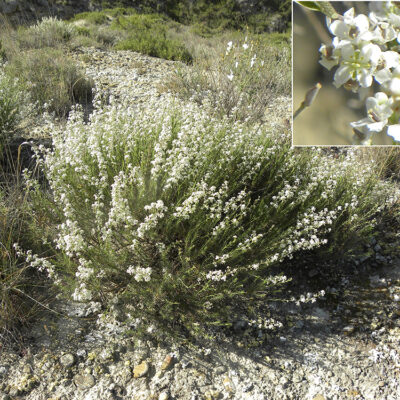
x=345 y=345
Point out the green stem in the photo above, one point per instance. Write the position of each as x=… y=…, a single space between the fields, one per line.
x=327 y=9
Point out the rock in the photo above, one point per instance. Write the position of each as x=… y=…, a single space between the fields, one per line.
x=106 y=355
x=348 y=329
x=321 y=314
x=228 y=385
x=248 y=388
x=84 y=381
x=220 y=370
x=67 y=360
x=167 y=363
x=212 y=395
x=163 y=396
x=141 y=370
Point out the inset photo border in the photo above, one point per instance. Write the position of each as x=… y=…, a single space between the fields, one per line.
x=346 y=73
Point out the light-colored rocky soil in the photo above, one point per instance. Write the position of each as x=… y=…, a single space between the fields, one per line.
x=343 y=346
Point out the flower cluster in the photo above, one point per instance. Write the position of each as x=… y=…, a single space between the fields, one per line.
x=366 y=50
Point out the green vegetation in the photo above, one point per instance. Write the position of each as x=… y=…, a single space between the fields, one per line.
x=147 y=34
x=182 y=207
x=13 y=108
x=20 y=298
x=36 y=57
x=240 y=81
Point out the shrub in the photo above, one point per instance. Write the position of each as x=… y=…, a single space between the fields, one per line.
x=94 y=17
x=156 y=46
x=148 y=35
x=52 y=79
x=49 y=32
x=242 y=81
x=178 y=214
x=13 y=107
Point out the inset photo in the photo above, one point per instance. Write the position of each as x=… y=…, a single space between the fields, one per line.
x=346 y=73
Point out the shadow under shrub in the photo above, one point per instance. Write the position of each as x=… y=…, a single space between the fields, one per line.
x=21 y=284
x=178 y=215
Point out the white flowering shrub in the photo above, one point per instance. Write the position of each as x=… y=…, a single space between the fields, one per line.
x=178 y=214
x=365 y=53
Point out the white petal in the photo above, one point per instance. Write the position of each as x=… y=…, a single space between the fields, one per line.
x=383 y=76
x=391 y=58
x=361 y=22
x=339 y=29
x=381 y=97
x=328 y=64
x=394 y=20
x=360 y=123
x=342 y=75
x=394 y=131
x=371 y=102
x=366 y=36
x=347 y=52
x=372 y=52
x=394 y=86
x=349 y=15
x=377 y=126
x=365 y=78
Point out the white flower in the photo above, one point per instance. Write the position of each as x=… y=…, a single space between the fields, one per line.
x=352 y=29
x=230 y=76
x=141 y=274
x=330 y=55
x=379 y=111
x=358 y=64
x=245 y=46
x=388 y=60
x=229 y=47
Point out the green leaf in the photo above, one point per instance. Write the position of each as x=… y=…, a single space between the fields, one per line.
x=312 y=5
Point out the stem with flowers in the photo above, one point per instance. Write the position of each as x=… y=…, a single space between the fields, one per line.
x=366 y=51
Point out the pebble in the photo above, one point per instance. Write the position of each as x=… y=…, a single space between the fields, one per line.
x=141 y=370
x=163 y=396
x=84 y=381
x=220 y=370
x=167 y=363
x=67 y=360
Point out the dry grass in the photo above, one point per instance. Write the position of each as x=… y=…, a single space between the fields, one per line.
x=254 y=86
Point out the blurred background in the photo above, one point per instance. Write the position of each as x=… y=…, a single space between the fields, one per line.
x=327 y=121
